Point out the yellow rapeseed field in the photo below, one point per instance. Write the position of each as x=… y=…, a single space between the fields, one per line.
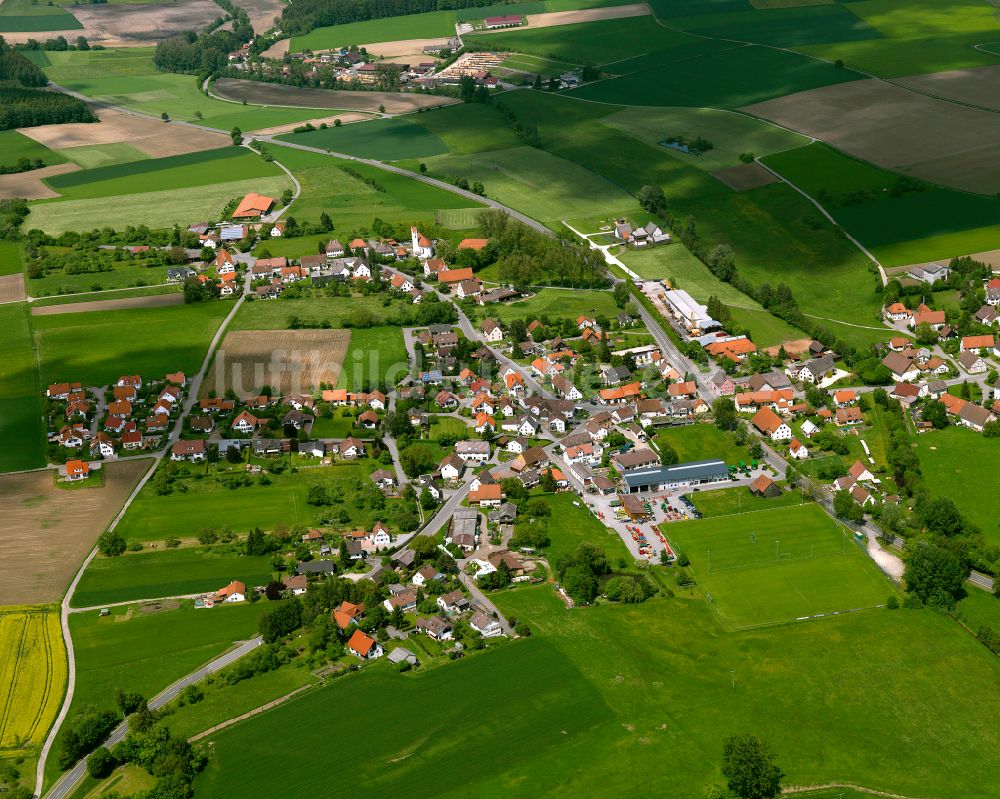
x=32 y=675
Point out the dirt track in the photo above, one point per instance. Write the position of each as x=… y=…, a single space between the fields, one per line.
x=290 y=361
x=277 y=94
x=149 y=135
x=29 y=186
x=47 y=531
x=11 y=288
x=890 y=126
x=155 y=301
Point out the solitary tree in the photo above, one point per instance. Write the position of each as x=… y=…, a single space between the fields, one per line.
x=748 y=765
x=652 y=199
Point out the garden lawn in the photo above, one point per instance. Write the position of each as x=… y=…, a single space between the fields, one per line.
x=383 y=139
x=951 y=461
x=165 y=573
x=978 y=609
x=155 y=209
x=731 y=134
x=778 y=565
x=128 y=78
x=207 y=504
x=22 y=436
x=766 y=330
x=739 y=500
x=353 y=204
x=448 y=426
x=572 y=524
x=698 y=442
x=14 y=146
x=376 y=356
x=97 y=347
x=557 y=708
x=536 y=182
x=557 y=304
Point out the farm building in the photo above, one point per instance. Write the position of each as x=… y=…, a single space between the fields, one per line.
x=253 y=206
x=692 y=314
x=680 y=475
x=508 y=21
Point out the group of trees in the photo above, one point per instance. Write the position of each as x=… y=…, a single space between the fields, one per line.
x=579 y=572
x=205 y=54
x=22 y=105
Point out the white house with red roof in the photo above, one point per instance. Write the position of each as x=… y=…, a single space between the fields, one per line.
x=423 y=247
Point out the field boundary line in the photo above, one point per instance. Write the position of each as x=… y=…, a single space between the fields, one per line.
x=849 y=785
x=250 y=713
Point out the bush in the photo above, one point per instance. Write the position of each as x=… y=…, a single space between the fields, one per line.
x=101 y=763
x=892 y=603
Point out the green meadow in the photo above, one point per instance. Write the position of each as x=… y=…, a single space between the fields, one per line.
x=698 y=442
x=97 y=347
x=155 y=209
x=190 y=170
x=571 y=524
x=205 y=503
x=950 y=461
x=777 y=566
x=730 y=501
x=914 y=227
x=376 y=355
x=384 y=139
x=14 y=146
x=274 y=315
x=353 y=204
x=588 y=719
x=22 y=435
x=128 y=78
x=119 y=294
x=89 y=156
x=558 y=304
x=167 y=572
x=134 y=650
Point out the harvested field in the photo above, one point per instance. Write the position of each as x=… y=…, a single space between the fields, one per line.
x=11 y=288
x=278 y=49
x=553 y=19
x=29 y=186
x=142 y=24
x=976 y=86
x=888 y=125
x=274 y=94
x=148 y=135
x=407 y=48
x=745 y=177
x=154 y=301
x=289 y=361
x=346 y=118
x=261 y=13
x=40 y=517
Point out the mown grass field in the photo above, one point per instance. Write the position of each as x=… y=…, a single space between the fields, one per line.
x=21 y=431
x=739 y=500
x=353 y=204
x=32 y=675
x=778 y=566
x=126 y=275
x=698 y=442
x=11 y=260
x=21 y=17
x=90 y=156
x=731 y=134
x=94 y=296
x=155 y=209
x=375 y=354
x=166 y=572
x=558 y=304
x=274 y=315
x=468 y=128
x=97 y=347
x=950 y=460
x=498 y=733
x=14 y=146
x=384 y=139
x=206 y=504
x=128 y=78
x=571 y=524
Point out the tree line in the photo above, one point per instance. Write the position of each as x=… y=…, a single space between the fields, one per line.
x=305 y=15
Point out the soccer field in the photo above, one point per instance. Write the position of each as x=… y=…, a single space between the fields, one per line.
x=778 y=565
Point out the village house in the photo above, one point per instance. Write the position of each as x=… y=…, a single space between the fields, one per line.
x=188 y=451
x=771 y=425
x=234 y=592
x=364 y=646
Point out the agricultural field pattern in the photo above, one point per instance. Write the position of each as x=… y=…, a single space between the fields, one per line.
x=565 y=398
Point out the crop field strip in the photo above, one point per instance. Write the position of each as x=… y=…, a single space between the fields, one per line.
x=32 y=676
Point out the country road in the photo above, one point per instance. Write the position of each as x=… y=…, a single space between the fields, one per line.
x=68 y=782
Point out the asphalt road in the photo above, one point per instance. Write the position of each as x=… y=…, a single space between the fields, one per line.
x=68 y=782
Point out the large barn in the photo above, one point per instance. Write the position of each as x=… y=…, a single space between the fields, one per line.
x=680 y=475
